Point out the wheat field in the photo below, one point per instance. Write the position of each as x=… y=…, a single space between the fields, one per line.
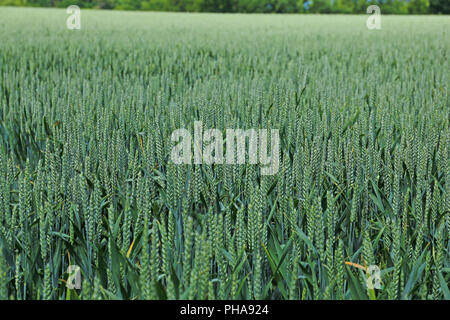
x=86 y=177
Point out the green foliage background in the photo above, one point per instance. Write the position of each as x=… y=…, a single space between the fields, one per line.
x=251 y=6
x=86 y=179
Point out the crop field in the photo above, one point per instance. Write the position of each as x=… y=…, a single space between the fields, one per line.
x=359 y=207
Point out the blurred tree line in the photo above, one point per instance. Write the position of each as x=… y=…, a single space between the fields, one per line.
x=252 y=6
